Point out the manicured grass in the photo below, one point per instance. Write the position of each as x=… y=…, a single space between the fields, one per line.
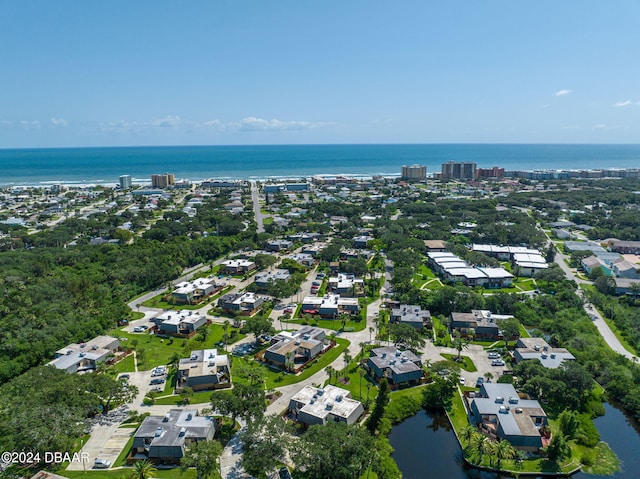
x=528 y=284
x=523 y=332
x=158 y=350
x=126 y=365
x=464 y=363
x=159 y=302
x=124 y=472
x=273 y=377
x=356 y=384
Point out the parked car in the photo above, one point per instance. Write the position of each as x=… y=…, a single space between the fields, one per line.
x=124 y=377
x=137 y=329
x=157 y=381
x=288 y=310
x=479 y=382
x=494 y=355
x=101 y=464
x=497 y=362
x=462 y=381
x=316 y=283
x=284 y=473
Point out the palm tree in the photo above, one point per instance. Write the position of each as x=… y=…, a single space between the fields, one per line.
x=467 y=434
x=143 y=470
x=329 y=370
x=371 y=330
x=483 y=446
x=488 y=376
x=459 y=344
x=361 y=372
x=504 y=450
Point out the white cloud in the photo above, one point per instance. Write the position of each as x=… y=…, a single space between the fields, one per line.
x=252 y=123
x=29 y=125
x=169 y=121
x=623 y=103
x=59 y=122
x=563 y=92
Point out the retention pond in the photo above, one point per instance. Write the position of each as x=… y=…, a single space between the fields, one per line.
x=426 y=447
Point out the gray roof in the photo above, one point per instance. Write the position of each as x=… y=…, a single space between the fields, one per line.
x=400 y=362
x=168 y=430
x=514 y=414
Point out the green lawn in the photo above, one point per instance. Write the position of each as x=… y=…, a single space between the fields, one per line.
x=126 y=365
x=356 y=384
x=158 y=351
x=159 y=302
x=273 y=377
x=124 y=472
x=465 y=362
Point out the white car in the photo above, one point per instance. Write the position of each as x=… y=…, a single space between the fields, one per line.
x=494 y=355
x=497 y=362
x=101 y=464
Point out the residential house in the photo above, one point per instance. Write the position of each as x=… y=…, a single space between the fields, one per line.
x=624 y=247
x=410 y=314
x=538 y=348
x=627 y=286
x=262 y=279
x=346 y=285
x=163 y=439
x=435 y=245
x=399 y=367
x=625 y=269
x=179 y=323
x=592 y=263
x=84 y=357
x=350 y=253
x=246 y=304
x=188 y=292
x=204 y=369
x=482 y=322
x=500 y=413
x=312 y=405
x=305 y=259
x=238 y=266
x=291 y=350
x=313 y=249
x=330 y=305
x=279 y=245
x=361 y=241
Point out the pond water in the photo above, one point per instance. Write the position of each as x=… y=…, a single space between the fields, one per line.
x=426 y=447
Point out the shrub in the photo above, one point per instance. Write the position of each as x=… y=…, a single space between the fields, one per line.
x=587 y=434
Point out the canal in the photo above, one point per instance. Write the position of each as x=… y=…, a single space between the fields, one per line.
x=426 y=447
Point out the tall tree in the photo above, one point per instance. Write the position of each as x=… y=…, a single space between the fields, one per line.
x=203 y=455
x=382 y=399
x=334 y=450
x=265 y=444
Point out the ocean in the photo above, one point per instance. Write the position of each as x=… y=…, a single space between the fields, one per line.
x=105 y=165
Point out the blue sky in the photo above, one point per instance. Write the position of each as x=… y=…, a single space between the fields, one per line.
x=291 y=72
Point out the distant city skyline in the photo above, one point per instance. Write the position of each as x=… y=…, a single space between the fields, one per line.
x=259 y=73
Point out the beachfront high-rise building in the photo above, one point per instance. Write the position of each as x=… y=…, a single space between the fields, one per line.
x=162 y=181
x=494 y=172
x=414 y=172
x=125 y=182
x=459 y=170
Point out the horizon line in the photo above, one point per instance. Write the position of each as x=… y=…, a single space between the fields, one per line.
x=315 y=144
